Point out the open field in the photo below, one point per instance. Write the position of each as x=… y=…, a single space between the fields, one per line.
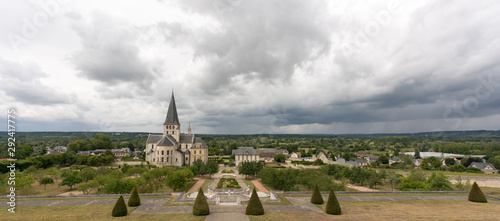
x=86 y=212
x=403 y=210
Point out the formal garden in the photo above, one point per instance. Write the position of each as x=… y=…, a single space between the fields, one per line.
x=228 y=182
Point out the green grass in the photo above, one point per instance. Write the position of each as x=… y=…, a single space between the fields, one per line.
x=172 y=202
x=249 y=183
x=493 y=191
x=402 y=210
x=284 y=201
x=50 y=189
x=187 y=186
x=379 y=194
x=79 y=198
x=85 y=212
x=206 y=184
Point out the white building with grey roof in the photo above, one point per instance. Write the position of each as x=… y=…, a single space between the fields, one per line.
x=173 y=148
x=243 y=154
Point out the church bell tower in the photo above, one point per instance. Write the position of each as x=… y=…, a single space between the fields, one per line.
x=172 y=126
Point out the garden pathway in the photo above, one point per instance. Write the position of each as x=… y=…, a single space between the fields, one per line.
x=259 y=186
x=197 y=185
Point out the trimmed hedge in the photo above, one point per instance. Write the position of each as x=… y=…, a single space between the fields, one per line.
x=476 y=195
x=316 y=197
x=134 y=199
x=332 y=205
x=120 y=208
x=254 y=206
x=200 y=207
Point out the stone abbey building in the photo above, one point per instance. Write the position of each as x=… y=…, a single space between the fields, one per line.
x=174 y=148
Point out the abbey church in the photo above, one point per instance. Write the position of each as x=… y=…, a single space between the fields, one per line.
x=174 y=148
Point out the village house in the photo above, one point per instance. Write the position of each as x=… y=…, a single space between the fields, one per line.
x=485 y=167
x=394 y=160
x=295 y=155
x=243 y=154
x=121 y=153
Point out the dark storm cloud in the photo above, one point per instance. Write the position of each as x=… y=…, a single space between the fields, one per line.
x=109 y=53
x=21 y=81
x=264 y=40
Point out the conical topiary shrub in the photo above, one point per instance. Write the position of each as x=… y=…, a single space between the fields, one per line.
x=120 y=208
x=476 y=195
x=200 y=207
x=316 y=197
x=254 y=206
x=134 y=199
x=332 y=205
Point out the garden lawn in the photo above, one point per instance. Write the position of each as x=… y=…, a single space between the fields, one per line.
x=85 y=212
x=400 y=210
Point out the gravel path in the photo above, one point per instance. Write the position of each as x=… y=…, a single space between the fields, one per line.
x=259 y=186
x=197 y=185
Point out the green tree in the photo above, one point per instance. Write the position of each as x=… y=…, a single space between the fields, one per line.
x=383 y=160
x=70 y=178
x=318 y=162
x=88 y=174
x=393 y=180
x=439 y=182
x=495 y=161
x=332 y=205
x=435 y=162
x=449 y=161
x=476 y=195
x=200 y=207
x=120 y=209
x=279 y=179
x=280 y=158
x=54 y=172
x=458 y=168
x=316 y=197
x=134 y=199
x=212 y=168
x=176 y=180
x=101 y=141
x=46 y=180
x=254 y=206
x=248 y=168
x=202 y=167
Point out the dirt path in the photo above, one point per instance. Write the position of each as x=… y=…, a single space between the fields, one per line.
x=259 y=186
x=74 y=192
x=197 y=185
x=360 y=188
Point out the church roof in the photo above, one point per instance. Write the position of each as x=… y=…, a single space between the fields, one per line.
x=199 y=140
x=172 y=117
x=154 y=138
x=187 y=138
x=167 y=141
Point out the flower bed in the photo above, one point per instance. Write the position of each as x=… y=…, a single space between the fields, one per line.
x=227 y=171
x=228 y=183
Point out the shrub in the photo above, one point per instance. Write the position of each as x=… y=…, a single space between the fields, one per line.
x=134 y=199
x=200 y=207
x=476 y=195
x=120 y=208
x=332 y=205
x=254 y=206
x=316 y=197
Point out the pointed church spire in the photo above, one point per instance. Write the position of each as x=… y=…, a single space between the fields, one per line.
x=189 y=128
x=172 y=118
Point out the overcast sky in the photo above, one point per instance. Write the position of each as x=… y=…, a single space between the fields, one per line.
x=249 y=67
